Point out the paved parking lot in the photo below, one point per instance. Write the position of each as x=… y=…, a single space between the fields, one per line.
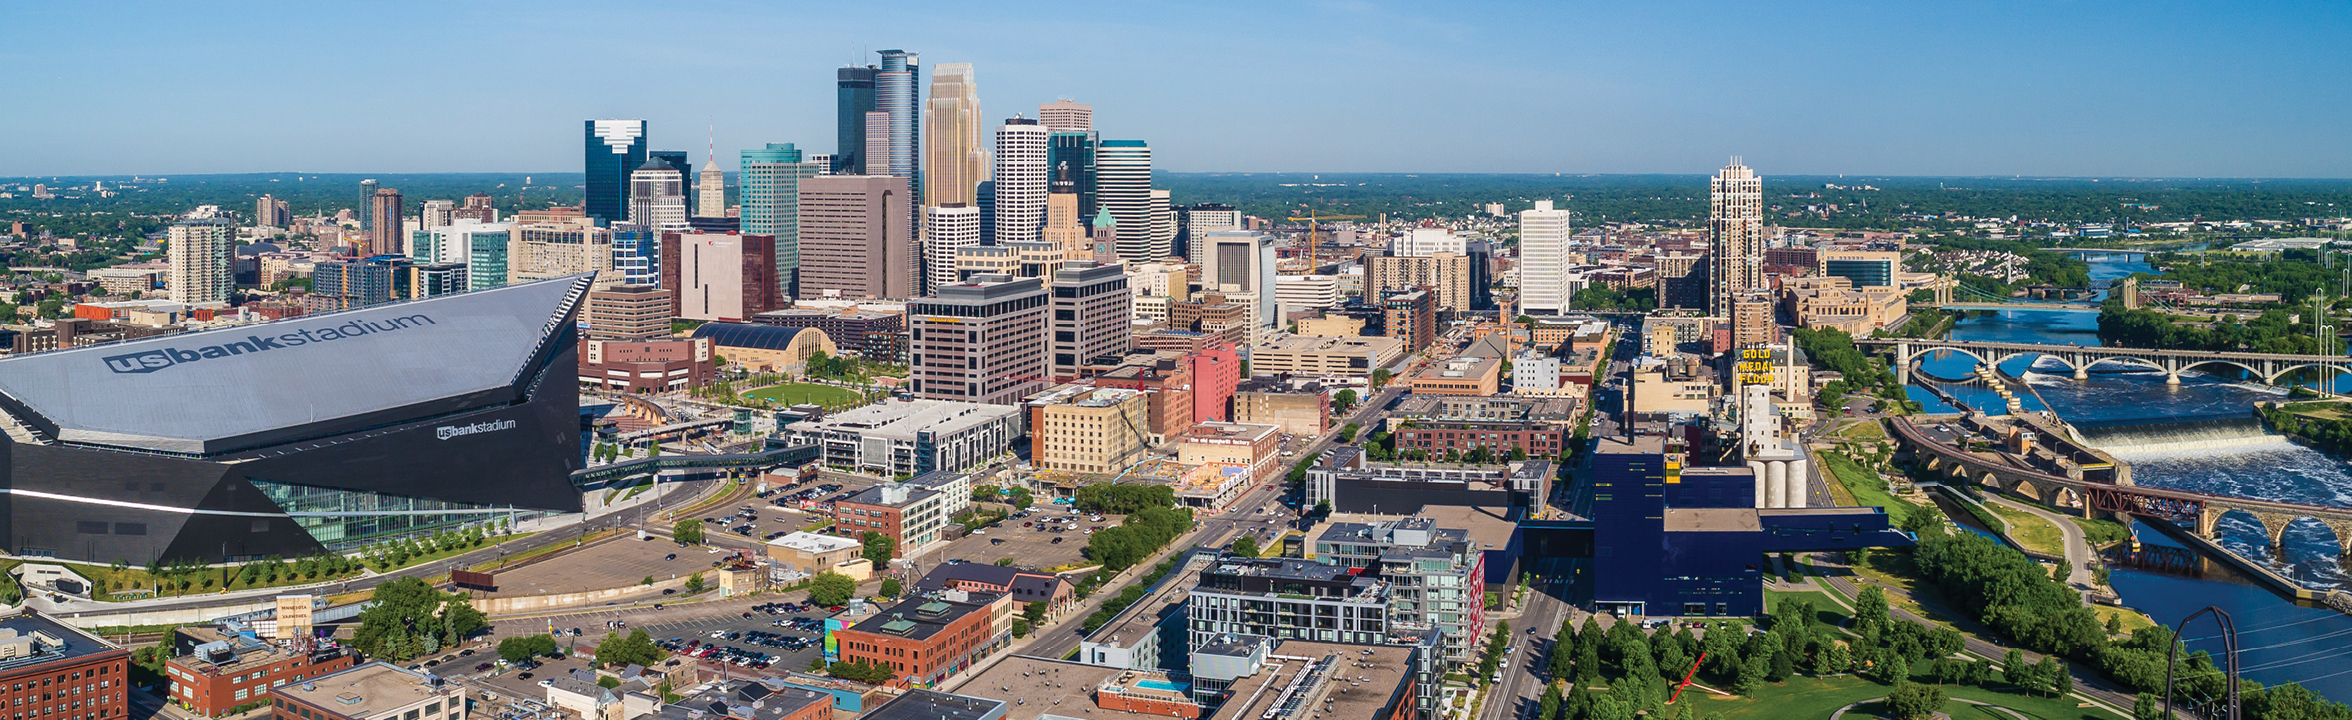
x=690 y=630
x=1030 y=547
x=614 y=563
x=776 y=520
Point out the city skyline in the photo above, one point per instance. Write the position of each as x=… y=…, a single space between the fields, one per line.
x=2077 y=90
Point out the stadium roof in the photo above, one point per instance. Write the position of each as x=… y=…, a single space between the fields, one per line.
x=246 y=386
x=745 y=335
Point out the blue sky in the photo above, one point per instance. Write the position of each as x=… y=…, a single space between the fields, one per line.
x=2041 y=87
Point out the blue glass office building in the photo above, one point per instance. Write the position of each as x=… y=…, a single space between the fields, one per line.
x=853 y=99
x=615 y=148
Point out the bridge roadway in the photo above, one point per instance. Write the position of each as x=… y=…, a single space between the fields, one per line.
x=2268 y=366
x=2089 y=497
x=2079 y=307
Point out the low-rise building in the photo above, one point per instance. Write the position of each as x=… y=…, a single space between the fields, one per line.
x=1438 y=425
x=1329 y=326
x=1835 y=302
x=766 y=348
x=1286 y=598
x=1022 y=586
x=647 y=365
x=1676 y=385
x=762 y=699
x=1326 y=356
x=1085 y=429
x=1555 y=331
x=375 y=691
x=1343 y=478
x=1465 y=376
x=915 y=513
x=1301 y=409
x=213 y=671
x=912 y=437
x=1258 y=448
x=926 y=638
x=1535 y=373
x=869 y=334
x=807 y=553
x=55 y=670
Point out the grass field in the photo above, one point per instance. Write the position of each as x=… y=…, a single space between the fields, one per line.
x=2030 y=531
x=1807 y=698
x=1827 y=611
x=1866 y=487
x=2102 y=532
x=805 y=393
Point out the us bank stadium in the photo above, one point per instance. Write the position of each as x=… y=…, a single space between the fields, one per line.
x=316 y=433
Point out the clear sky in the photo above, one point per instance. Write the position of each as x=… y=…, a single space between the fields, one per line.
x=2034 y=87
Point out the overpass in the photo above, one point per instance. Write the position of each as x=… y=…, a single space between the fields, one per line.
x=2089 y=497
x=775 y=455
x=2268 y=366
x=2086 y=253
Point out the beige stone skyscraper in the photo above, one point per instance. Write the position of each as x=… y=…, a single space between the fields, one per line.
x=710 y=191
x=1065 y=115
x=1735 y=229
x=954 y=160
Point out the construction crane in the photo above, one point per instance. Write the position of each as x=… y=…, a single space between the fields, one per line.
x=1314 y=227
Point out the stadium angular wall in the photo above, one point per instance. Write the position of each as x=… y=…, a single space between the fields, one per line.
x=304 y=435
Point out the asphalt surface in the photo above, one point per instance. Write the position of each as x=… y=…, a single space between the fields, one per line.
x=1520 y=693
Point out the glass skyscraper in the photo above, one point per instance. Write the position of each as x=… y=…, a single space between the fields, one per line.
x=615 y=148
x=855 y=98
x=677 y=159
x=1073 y=151
x=898 y=91
x=770 y=184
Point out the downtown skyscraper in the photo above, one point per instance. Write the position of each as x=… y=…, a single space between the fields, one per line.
x=853 y=98
x=1545 y=259
x=615 y=148
x=1735 y=233
x=1123 y=184
x=955 y=159
x=199 y=253
x=769 y=180
x=898 y=89
x=1020 y=181
x=657 y=196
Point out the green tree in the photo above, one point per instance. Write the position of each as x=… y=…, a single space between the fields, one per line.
x=1549 y=707
x=518 y=649
x=1342 y=400
x=1020 y=627
x=1246 y=545
x=1892 y=669
x=831 y=588
x=635 y=649
x=879 y=549
x=891 y=587
x=2148 y=707
x=1915 y=701
x=694 y=583
x=406 y=611
x=1870 y=608
x=1380 y=377
x=861 y=671
x=688 y=531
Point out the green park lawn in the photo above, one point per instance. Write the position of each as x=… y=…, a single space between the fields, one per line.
x=2030 y=530
x=805 y=393
x=1866 y=486
x=1807 y=698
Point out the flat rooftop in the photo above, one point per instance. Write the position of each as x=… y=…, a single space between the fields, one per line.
x=1712 y=520
x=360 y=691
x=1343 y=681
x=814 y=543
x=934 y=705
x=903 y=419
x=1063 y=689
x=52 y=641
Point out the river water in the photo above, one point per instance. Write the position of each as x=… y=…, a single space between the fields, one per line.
x=2282 y=642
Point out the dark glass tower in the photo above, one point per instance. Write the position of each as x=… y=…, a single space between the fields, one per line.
x=615 y=148
x=677 y=159
x=855 y=98
x=1073 y=150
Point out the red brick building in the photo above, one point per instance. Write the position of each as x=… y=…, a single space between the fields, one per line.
x=1216 y=371
x=212 y=672
x=924 y=639
x=1167 y=379
x=62 y=672
x=647 y=366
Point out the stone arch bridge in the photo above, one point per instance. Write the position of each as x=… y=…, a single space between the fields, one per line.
x=2091 y=498
x=2267 y=366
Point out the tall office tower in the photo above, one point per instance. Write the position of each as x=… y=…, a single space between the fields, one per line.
x=1020 y=181
x=1163 y=218
x=615 y=148
x=1062 y=115
x=1735 y=229
x=628 y=312
x=955 y=158
x=986 y=200
x=199 y=256
x=855 y=238
x=853 y=99
x=272 y=212
x=1235 y=262
x=1062 y=229
x=436 y=214
x=479 y=245
x=719 y=276
x=1195 y=222
x=769 y=180
x=685 y=166
x=384 y=236
x=1093 y=315
x=877 y=144
x=657 y=196
x=367 y=194
x=545 y=251
x=1544 y=259
x=1074 y=150
x=945 y=229
x=1123 y=179
x=710 y=190
x=898 y=87
x=982 y=340
x=636 y=253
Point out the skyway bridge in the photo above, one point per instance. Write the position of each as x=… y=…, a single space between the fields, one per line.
x=2270 y=367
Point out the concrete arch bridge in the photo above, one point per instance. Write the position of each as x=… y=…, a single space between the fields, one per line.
x=2090 y=498
x=2267 y=366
